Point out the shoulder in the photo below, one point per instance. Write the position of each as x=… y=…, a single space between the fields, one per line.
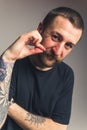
x=65 y=70
x=22 y=65
x=65 y=66
x=22 y=62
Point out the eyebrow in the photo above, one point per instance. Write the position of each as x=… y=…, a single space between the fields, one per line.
x=72 y=44
x=63 y=38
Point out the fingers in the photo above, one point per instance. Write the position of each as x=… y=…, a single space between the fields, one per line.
x=20 y=48
x=35 y=40
x=35 y=51
x=36 y=43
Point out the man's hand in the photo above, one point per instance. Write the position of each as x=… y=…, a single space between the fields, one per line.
x=20 y=48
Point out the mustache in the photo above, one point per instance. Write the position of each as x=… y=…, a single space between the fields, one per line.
x=51 y=55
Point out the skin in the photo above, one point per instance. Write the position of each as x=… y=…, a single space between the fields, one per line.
x=51 y=47
x=59 y=40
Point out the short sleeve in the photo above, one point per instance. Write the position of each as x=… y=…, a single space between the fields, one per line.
x=62 y=109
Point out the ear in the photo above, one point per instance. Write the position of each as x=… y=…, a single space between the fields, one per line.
x=40 y=28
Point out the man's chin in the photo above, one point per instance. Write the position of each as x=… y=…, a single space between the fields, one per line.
x=52 y=63
x=48 y=61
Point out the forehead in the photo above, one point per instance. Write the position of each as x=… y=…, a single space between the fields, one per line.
x=66 y=29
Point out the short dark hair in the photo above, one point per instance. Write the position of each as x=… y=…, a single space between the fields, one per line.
x=73 y=16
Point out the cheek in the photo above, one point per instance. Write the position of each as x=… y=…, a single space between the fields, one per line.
x=47 y=43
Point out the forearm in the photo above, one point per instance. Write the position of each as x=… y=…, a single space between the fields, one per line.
x=19 y=49
x=5 y=76
x=28 y=121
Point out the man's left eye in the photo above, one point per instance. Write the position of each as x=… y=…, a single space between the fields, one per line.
x=68 y=45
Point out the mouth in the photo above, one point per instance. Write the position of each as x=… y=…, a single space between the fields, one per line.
x=50 y=56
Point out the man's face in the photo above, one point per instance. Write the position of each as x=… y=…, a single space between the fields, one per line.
x=58 y=39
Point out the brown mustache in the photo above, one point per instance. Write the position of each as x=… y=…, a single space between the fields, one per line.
x=51 y=55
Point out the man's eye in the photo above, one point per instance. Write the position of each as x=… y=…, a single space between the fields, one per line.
x=68 y=45
x=55 y=38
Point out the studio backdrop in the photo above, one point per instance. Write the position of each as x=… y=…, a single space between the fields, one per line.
x=21 y=16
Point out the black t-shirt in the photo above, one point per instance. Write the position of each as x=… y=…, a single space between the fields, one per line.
x=44 y=93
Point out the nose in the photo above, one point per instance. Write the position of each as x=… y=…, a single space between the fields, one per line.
x=58 y=50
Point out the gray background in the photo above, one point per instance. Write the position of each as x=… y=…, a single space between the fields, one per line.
x=20 y=16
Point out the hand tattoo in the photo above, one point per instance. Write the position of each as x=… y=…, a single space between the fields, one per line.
x=37 y=120
x=5 y=76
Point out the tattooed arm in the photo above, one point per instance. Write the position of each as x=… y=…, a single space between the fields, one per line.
x=28 y=121
x=5 y=76
x=17 y=50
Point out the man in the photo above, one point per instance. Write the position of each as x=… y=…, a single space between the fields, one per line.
x=41 y=84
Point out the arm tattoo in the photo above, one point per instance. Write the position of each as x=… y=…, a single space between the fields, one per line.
x=37 y=120
x=5 y=76
x=2 y=70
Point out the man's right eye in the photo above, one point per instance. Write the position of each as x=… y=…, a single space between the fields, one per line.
x=56 y=38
